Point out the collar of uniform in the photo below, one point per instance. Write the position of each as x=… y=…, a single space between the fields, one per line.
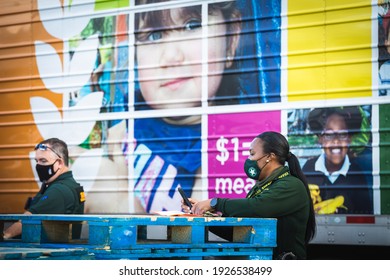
x=267 y=181
x=63 y=176
x=277 y=172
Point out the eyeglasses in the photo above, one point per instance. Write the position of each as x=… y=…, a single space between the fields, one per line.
x=330 y=135
x=44 y=147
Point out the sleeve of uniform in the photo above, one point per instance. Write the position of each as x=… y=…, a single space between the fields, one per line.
x=283 y=198
x=51 y=202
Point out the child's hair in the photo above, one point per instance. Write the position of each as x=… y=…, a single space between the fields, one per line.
x=160 y=20
x=318 y=118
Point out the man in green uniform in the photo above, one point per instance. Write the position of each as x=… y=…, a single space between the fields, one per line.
x=59 y=193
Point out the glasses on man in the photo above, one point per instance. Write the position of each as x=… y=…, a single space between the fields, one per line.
x=44 y=147
x=330 y=135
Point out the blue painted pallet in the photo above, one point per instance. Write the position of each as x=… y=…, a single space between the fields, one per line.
x=185 y=253
x=22 y=253
x=125 y=236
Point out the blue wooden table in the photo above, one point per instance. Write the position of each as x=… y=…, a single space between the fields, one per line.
x=128 y=236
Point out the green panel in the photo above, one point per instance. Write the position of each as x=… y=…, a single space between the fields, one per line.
x=110 y=4
x=384 y=151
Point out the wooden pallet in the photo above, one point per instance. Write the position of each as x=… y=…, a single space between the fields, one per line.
x=126 y=236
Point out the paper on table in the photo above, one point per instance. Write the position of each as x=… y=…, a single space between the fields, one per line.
x=172 y=213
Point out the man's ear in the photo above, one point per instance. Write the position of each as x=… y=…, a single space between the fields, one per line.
x=233 y=39
x=61 y=163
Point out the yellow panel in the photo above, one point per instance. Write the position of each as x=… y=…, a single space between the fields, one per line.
x=304 y=6
x=337 y=63
x=306 y=57
x=300 y=43
x=350 y=56
x=304 y=21
x=304 y=80
x=355 y=80
x=343 y=4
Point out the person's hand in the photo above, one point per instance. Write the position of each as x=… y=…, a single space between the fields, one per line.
x=201 y=207
x=13 y=230
x=184 y=206
x=6 y=236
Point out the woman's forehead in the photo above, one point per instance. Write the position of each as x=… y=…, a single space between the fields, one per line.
x=256 y=144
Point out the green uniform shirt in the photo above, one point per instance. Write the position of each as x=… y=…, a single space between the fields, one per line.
x=280 y=196
x=60 y=197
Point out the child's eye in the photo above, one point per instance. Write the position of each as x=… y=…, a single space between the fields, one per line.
x=192 y=24
x=151 y=36
x=154 y=36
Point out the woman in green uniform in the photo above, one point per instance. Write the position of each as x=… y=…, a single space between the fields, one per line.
x=280 y=192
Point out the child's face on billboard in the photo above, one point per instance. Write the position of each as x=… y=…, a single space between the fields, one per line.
x=335 y=141
x=170 y=60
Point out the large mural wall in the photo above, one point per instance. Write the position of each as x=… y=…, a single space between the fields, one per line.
x=152 y=96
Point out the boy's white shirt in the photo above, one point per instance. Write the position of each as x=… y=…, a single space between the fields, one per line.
x=320 y=166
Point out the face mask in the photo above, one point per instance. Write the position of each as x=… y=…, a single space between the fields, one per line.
x=251 y=169
x=45 y=172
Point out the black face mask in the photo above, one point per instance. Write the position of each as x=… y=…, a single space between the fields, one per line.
x=45 y=172
x=251 y=169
